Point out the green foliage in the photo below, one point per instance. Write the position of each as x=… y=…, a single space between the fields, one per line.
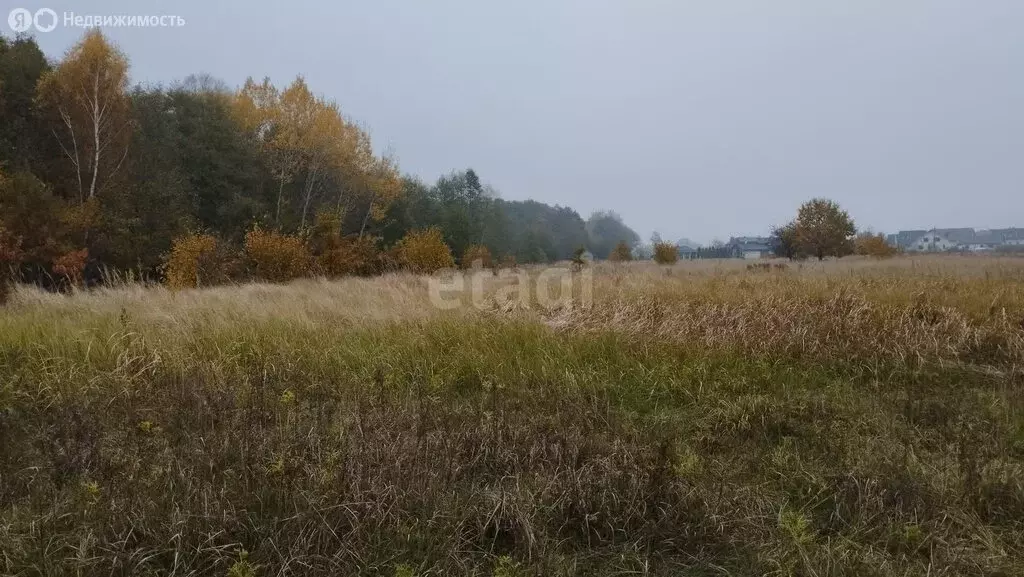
x=605 y=230
x=199 y=156
x=784 y=242
x=476 y=256
x=509 y=260
x=530 y=230
x=242 y=567
x=796 y=526
x=25 y=143
x=507 y=567
x=33 y=222
x=579 y=259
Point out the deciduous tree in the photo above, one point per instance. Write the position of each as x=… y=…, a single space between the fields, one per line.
x=605 y=230
x=25 y=142
x=784 y=241
x=824 y=229
x=87 y=98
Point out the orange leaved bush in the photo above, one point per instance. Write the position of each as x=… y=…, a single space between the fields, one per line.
x=424 y=251
x=197 y=260
x=277 y=257
x=353 y=256
x=71 y=265
x=666 y=253
x=335 y=255
x=868 y=244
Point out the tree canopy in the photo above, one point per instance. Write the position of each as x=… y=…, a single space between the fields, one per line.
x=823 y=229
x=97 y=174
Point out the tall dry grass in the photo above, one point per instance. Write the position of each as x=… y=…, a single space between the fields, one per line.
x=840 y=418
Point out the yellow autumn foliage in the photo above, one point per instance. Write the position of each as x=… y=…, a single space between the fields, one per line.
x=424 y=251
x=666 y=253
x=277 y=257
x=189 y=263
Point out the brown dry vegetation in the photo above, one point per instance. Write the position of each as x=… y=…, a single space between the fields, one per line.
x=856 y=417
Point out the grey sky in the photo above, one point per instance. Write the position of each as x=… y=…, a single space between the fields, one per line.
x=694 y=118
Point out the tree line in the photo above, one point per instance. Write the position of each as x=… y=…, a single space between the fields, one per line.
x=98 y=175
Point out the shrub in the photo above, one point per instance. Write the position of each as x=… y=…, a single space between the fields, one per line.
x=71 y=265
x=476 y=256
x=424 y=251
x=666 y=253
x=335 y=255
x=197 y=260
x=277 y=257
x=325 y=235
x=353 y=256
x=579 y=260
x=621 y=253
x=874 y=245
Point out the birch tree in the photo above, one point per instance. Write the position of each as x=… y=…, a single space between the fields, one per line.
x=87 y=95
x=313 y=129
x=257 y=108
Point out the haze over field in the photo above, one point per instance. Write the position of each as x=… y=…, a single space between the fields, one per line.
x=703 y=119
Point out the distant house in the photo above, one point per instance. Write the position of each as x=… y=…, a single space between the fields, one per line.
x=962 y=239
x=750 y=247
x=1010 y=236
x=904 y=238
x=932 y=241
x=983 y=240
x=686 y=252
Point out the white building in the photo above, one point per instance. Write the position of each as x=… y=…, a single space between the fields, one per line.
x=931 y=241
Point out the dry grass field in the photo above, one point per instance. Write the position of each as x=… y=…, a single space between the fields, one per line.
x=849 y=417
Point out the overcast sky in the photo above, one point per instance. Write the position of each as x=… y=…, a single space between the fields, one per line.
x=702 y=119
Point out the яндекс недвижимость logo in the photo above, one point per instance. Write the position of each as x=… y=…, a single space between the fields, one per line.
x=23 y=20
